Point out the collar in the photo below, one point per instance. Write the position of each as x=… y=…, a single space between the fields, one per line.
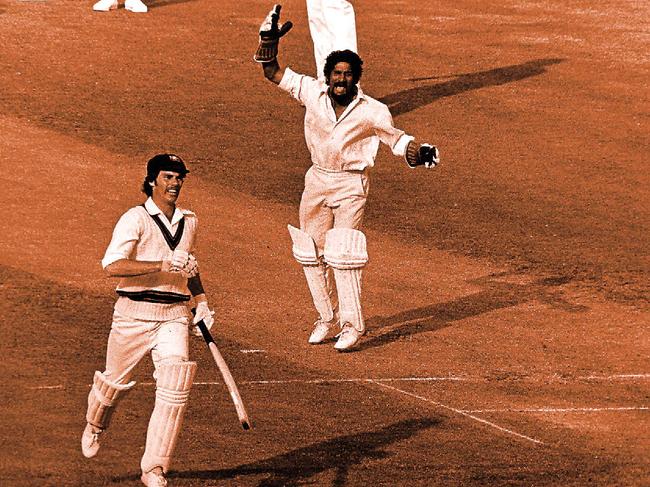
x=153 y=209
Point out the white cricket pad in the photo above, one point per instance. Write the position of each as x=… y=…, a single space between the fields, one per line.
x=304 y=251
x=345 y=252
x=319 y=288
x=173 y=383
x=304 y=247
x=348 y=287
x=102 y=399
x=345 y=248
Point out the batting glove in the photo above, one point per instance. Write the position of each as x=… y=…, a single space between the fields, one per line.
x=202 y=313
x=270 y=33
x=191 y=267
x=181 y=262
x=179 y=258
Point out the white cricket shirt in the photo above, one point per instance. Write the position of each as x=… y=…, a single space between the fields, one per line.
x=351 y=142
x=138 y=236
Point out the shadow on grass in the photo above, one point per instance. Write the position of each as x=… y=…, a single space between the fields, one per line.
x=413 y=98
x=496 y=294
x=338 y=454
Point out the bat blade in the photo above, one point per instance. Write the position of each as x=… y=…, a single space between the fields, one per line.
x=227 y=377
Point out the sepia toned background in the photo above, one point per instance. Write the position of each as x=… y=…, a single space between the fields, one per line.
x=507 y=292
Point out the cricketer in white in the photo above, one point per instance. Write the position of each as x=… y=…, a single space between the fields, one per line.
x=152 y=252
x=343 y=128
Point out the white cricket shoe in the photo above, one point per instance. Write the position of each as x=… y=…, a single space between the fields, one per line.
x=154 y=478
x=90 y=440
x=135 y=6
x=321 y=330
x=348 y=338
x=105 y=5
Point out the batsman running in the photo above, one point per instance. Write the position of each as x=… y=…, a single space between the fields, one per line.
x=152 y=252
x=343 y=128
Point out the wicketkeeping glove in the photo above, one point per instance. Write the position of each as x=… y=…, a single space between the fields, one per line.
x=270 y=33
x=202 y=312
x=426 y=155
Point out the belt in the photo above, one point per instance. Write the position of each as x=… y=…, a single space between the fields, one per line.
x=152 y=296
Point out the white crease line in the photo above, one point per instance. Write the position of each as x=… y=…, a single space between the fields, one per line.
x=421 y=379
x=558 y=410
x=325 y=381
x=462 y=413
x=397 y=379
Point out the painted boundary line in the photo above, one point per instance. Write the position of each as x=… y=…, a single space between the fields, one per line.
x=461 y=412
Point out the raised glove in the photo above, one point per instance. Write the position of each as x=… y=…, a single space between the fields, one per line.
x=426 y=155
x=202 y=312
x=270 y=33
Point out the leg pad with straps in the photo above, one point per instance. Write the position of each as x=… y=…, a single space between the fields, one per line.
x=304 y=251
x=102 y=399
x=173 y=384
x=346 y=253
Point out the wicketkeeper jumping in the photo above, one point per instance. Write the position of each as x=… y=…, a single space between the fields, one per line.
x=343 y=129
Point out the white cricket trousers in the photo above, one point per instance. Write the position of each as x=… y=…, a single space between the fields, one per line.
x=130 y=340
x=332 y=27
x=332 y=200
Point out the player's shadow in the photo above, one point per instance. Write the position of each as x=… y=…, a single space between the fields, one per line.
x=413 y=98
x=338 y=454
x=496 y=294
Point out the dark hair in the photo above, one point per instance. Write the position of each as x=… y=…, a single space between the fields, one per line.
x=162 y=162
x=346 y=56
x=146 y=187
